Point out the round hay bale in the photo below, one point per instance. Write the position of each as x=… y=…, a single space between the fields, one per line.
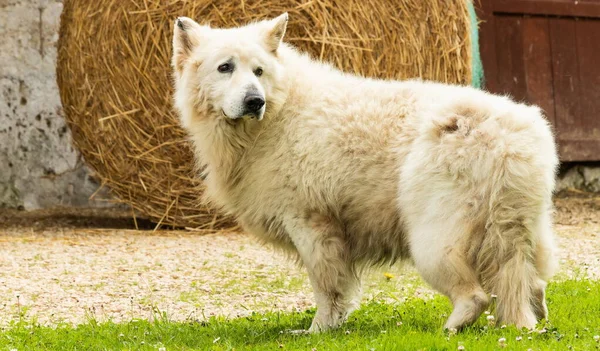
x=114 y=78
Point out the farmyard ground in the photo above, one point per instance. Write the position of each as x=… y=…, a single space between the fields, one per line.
x=164 y=287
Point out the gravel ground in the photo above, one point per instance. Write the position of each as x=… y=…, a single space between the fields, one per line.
x=67 y=266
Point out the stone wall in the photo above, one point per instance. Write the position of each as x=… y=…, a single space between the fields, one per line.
x=38 y=165
x=584 y=177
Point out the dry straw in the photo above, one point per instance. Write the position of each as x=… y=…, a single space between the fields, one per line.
x=114 y=78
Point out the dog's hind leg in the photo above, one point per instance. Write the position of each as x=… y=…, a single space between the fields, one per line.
x=545 y=264
x=439 y=251
x=538 y=302
x=320 y=244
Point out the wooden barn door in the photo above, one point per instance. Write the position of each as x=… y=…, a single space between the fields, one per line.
x=547 y=52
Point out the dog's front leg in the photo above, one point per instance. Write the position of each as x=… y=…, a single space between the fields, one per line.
x=320 y=243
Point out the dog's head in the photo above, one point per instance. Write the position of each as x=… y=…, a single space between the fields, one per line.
x=226 y=73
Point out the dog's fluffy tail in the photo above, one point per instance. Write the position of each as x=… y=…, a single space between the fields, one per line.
x=507 y=269
x=516 y=255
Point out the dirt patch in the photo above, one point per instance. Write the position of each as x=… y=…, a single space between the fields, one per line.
x=62 y=269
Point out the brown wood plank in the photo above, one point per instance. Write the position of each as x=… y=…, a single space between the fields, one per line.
x=587 y=46
x=573 y=8
x=487 y=43
x=579 y=150
x=509 y=57
x=565 y=70
x=551 y=59
x=538 y=64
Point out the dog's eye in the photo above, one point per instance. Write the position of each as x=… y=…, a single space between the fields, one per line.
x=225 y=68
x=258 y=72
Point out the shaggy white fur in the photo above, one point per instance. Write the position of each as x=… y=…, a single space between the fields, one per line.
x=344 y=172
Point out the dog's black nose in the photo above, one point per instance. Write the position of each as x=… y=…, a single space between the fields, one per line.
x=254 y=103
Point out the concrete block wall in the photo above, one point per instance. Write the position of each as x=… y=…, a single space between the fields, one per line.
x=39 y=167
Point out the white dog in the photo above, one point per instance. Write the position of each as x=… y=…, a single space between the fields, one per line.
x=344 y=172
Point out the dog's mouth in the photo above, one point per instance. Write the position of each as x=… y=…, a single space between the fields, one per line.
x=258 y=117
x=251 y=115
x=254 y=114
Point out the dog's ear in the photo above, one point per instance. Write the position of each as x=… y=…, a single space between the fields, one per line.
x=275 y=31
x=186 y=36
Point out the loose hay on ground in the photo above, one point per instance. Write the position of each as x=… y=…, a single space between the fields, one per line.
x=113 y=74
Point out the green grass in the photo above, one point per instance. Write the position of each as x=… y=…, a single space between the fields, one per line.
x=414 y=324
